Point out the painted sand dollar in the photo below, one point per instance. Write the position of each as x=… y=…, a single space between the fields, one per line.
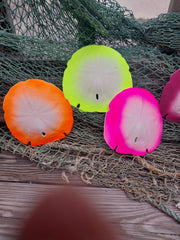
x=133 y=124
x=94 y=75
x=170 y=98
x=37 y=112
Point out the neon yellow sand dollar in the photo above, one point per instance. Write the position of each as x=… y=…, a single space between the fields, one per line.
x=94 y=75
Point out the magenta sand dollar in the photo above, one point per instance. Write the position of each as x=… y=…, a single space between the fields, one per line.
x=170 y=98
x=94 y=75
x=133 y=124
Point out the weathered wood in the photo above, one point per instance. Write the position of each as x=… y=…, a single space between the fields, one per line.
x=174 y=6
x=22 y=184
x=139 y=220
x=17 y=169
x=9 y=228
x=6 y=21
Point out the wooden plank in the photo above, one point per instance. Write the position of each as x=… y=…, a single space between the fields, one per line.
x=9 y=228
x=6 y=21
x=174 y=6
x=22 y=170
x=139 y=220
x=17 y=169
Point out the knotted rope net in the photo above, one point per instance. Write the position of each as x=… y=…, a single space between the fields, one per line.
x=38 y=37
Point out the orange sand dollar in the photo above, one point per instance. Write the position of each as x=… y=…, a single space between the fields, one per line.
x=37 y=112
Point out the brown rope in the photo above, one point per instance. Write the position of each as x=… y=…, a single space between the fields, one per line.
x=151 y=168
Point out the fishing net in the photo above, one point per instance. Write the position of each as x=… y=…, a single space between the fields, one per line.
x=38 y=37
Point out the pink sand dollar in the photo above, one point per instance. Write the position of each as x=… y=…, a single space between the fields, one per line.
x=170 y=98
x=133 y=124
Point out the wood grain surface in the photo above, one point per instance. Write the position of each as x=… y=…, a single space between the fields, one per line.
x=22 y=184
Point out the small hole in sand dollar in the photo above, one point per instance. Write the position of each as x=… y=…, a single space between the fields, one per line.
x=146 y=150
x=135 y=140
x=78 y=106
x=43 y=134
x=97 y=96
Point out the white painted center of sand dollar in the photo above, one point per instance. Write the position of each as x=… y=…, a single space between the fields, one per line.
x=34 y=115
x=139 y=124
x=100 y=76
